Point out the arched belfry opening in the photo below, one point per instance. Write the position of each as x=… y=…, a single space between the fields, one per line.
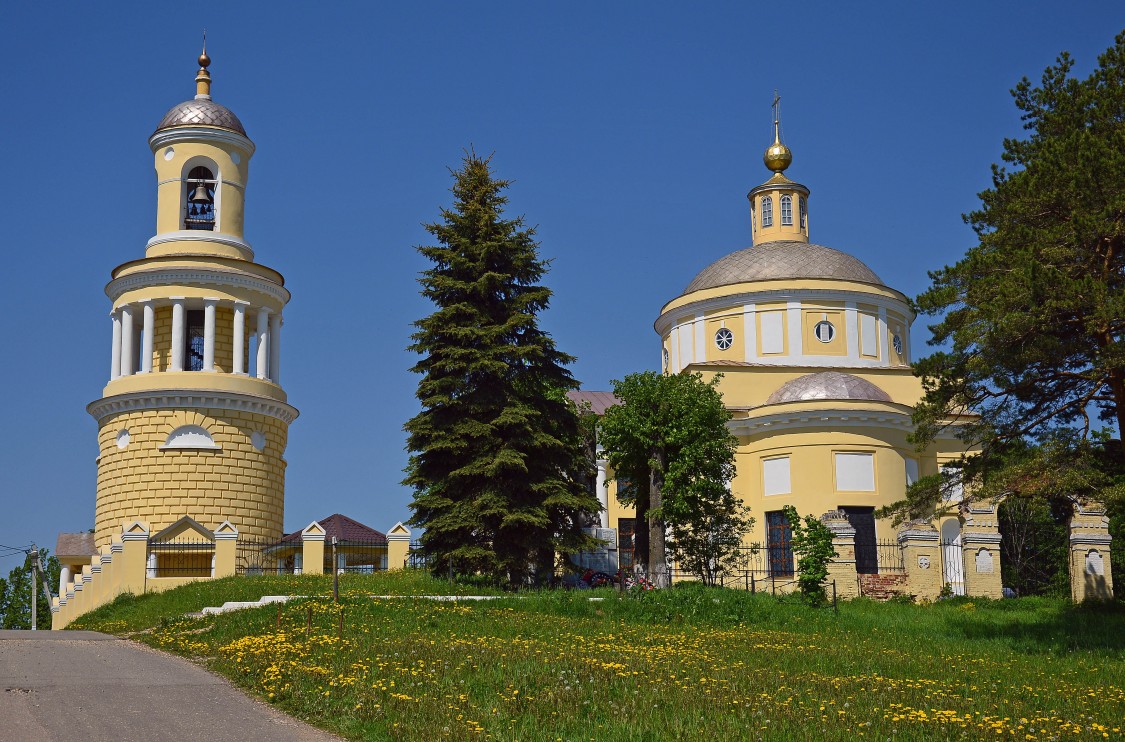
x=199 y=202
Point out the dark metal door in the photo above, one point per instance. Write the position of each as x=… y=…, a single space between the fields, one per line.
x=866 y=552
x=778 y=543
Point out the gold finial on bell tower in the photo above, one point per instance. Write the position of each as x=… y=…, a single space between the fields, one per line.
x=778 y=156
x=203 y=77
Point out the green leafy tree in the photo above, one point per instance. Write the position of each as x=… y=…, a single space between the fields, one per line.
x=811 y=542
x=1032 y=319
x=668 y=437
x=15 y=595
x=496 y=460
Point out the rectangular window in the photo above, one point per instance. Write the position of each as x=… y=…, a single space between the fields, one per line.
x=804 y=209
x=779 y=546
x=775 y=476
x=193 y=341
x=786 y=211
x=868 y=335
x=773 y=332
x=855 y=472
x=626 y=532
x=911 y=471
x=952 y=488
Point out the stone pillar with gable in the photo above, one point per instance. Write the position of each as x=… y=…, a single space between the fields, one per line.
x=921 y=555
x=1091 y=573
x=842 y=568
x=980 y=544
x=398 y=546
x=226 y=548
x=312 y=549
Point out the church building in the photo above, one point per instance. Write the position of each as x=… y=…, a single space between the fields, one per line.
x=815 y=353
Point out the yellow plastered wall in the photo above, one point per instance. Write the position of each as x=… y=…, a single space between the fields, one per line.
x=162 y=339
x=731 y=319
x=812 y=464
x=827 y=311
x=171 y=170
x=238 y=483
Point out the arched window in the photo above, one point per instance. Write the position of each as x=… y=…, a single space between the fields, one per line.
x=803 y=207
x=767 y=211
x=190 y=436
x=787 y=211
x=199 y=202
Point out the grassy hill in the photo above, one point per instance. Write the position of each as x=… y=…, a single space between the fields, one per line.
x=689 y=662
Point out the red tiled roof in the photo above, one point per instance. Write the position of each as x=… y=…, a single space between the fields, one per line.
x=599 y=401
x=345 y=530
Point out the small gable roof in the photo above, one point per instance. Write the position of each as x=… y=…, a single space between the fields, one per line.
x=346 y=530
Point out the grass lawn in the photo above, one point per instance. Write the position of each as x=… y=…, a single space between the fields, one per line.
x=685 y=663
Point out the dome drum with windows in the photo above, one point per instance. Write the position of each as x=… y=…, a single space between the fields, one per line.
x=814 y=352
x=193 y=420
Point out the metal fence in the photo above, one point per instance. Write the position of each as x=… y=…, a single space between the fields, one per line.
x=360 y=557
x=266 y=556
x=415 y=558
x=953 y=565
x=181 y=558
x=889 y=557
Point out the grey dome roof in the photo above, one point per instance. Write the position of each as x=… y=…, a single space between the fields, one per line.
x=782 y=259
x=201 y=112
x=828 y=385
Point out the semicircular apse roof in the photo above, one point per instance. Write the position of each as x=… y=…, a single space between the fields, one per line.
x=828 y=385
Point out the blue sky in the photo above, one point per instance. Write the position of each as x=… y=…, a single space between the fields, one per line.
x=632 y=132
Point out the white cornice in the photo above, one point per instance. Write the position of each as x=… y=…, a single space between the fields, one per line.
x=736 y=301
x=199 y=235
x=180 y=276
x=207 y=133
x=178 y=398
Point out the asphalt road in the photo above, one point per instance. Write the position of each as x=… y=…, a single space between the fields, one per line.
x=82 y=685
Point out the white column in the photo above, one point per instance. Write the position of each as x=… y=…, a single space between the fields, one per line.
x=146 y=337
x=263 y=343
x=238 y=335
x=64 y=579
x=209 y=334
x=275 y=348
x=127 y=335
x=115 y=362
x=178 y=315
x=603 y=493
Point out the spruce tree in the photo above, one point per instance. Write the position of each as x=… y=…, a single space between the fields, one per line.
x=495 y=452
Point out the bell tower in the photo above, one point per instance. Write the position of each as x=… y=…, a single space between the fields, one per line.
x=193 y=420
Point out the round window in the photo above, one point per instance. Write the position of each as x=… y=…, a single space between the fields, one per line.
x=897 y=342
x=724 y=338
x=824 y=331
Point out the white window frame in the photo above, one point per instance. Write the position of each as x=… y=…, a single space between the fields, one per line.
x=787 y=211
x=767 y=211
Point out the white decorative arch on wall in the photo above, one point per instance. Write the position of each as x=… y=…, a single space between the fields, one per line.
x=191 y=437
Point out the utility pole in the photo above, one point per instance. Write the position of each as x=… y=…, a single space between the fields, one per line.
x=34 y=554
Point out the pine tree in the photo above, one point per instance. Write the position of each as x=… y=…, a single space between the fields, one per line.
x=496 y=452
x=1031 y=334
